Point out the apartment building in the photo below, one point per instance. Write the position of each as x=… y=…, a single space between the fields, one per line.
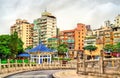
x=45 y=27
x=74 y=39
x=24 y=30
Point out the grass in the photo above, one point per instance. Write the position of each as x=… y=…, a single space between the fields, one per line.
x=66 y=59
x=4 y=61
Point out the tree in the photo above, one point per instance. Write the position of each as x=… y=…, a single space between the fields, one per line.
x=10 y=46
x=15 y=45
x=117 y=47
x=90 y=48
x=62 y=49
x=108 y=47
x=29 y=47
x=4 y=48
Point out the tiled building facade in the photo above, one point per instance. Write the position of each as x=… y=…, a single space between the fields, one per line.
x=24 y=30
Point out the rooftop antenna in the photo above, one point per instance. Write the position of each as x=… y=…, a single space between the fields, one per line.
x=45 y=9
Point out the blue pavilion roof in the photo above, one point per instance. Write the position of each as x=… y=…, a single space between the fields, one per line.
x=40 y=48
x=24 y=55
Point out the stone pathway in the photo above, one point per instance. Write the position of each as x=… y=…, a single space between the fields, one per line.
x=70 y=74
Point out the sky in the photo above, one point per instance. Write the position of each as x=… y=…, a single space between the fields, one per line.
x=68 y=12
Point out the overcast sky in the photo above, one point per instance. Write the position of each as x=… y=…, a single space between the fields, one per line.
x=68 y=12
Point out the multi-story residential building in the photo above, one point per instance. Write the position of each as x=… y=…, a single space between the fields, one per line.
x=24 y=30
x=36 y=33
x=116 y=30
x=67 y=37
x=45 y=28
x=74 y=39
x=104 y=33
x=80 y=33
x=90 y=39
x=53 y=43
x=117 y=21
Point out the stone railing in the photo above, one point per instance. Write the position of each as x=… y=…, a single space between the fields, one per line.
x=14 y=67
x=101 y=66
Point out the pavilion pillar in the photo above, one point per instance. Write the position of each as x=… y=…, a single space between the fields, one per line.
x=39 y=59
x=47 y=58
x=42 y=59
x=50 y=58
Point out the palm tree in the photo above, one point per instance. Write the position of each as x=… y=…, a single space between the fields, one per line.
x=90 y=48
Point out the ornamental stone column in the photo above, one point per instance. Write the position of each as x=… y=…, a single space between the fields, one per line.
x=101 y=62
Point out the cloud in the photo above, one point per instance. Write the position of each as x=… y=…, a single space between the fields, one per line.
x=68 y=12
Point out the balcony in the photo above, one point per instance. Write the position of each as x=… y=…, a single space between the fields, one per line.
x=70 y=41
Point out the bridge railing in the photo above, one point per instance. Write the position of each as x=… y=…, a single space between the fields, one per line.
x=102 y=66
x=11 y=67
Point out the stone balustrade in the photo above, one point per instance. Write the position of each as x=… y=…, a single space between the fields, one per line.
x=14 y=67
x=101 y=66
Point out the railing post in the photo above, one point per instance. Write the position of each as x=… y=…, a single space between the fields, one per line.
x=8 y=63
x=30 y=64
x=101 y=62
x=84 y=64
x=23 y=64
x=16 y=64
x=0 y=66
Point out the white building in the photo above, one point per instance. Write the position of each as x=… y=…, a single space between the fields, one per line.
x=45 y=28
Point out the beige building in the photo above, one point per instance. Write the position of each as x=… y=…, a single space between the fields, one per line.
x=117 y=21
x=45 y=27
x=24 y=30
x=116 y=30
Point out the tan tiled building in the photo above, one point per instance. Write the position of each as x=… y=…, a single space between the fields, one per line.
x=24 y=30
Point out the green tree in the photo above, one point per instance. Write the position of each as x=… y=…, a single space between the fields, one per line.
x=15 y=45
x=4 y=48
x=108 y=47
x=90 y=48
x=10 y=46
x=62 y=49
x=116 y=47
x=29 y=47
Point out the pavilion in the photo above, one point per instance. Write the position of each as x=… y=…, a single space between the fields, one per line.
x=40 y=54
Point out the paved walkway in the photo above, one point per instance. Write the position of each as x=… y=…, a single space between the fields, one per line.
x=35 y=74
x=71 y=74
